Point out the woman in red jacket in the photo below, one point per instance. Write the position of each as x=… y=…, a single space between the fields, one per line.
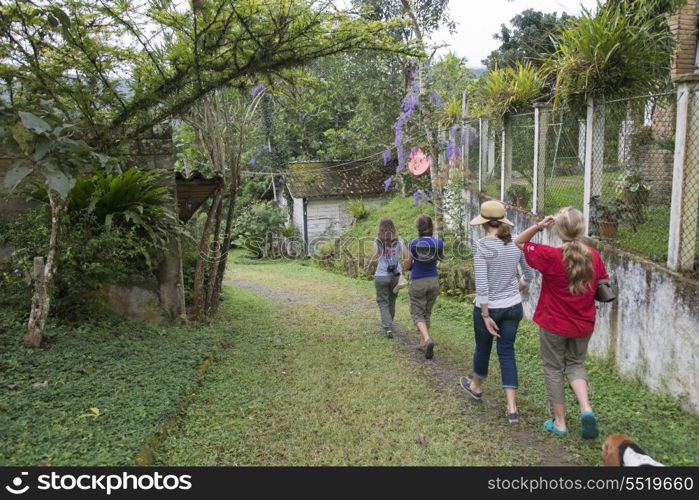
x=565 y=312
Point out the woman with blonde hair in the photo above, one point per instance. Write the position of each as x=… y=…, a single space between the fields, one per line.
x=498 y=305
x=565 y=312
x=389 y=249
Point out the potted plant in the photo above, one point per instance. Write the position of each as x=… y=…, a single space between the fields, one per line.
x=606 y=214
x=634 y=187
x=519 y=195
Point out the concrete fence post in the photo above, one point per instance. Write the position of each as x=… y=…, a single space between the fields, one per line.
x=685 y=178
x=542 y=119
x=582 y=126
x=465 y=137
x=482 y=152
x=594 y=156
x=506 y=157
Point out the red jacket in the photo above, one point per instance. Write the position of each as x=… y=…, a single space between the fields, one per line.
x=558 y=311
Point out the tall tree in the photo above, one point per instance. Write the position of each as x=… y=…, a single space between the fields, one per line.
x=528 y=41
x=74 y=52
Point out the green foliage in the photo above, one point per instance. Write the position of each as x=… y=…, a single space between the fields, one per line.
x=258 y=229
x=620 y=50
x=125 y=89
x=90 y=256
x=48 y=147
x=357 y=210
x=339 y=107
x=529 y=41
x=519 y=194
x=134 y=200
x=507 y=90
x=133 y=375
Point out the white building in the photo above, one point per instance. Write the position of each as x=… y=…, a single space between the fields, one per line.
x=320 y=190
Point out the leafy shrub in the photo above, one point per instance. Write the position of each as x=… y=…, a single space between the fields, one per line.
x=507 y=90
x=357 y=210
x=620 y=50
x=134 y=199
x=89 y=256
x=259 y=229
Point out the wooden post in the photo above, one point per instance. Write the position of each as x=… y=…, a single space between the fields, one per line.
x=594 y=156
x=685 y=178
x=542 y=118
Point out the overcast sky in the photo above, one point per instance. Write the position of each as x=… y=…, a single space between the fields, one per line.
x=478 y=20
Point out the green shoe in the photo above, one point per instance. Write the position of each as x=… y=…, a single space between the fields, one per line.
x=588 y=424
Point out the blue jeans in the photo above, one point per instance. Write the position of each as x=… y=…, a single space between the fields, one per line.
x=507 y=320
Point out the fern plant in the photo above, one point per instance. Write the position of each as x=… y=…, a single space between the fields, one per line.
x=620 y=50
x=507 y=90
x=133 y=199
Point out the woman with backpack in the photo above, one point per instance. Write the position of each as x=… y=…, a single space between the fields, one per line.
x=388 y=251
x=498 y=304
x=423 y=254
x=565 y=312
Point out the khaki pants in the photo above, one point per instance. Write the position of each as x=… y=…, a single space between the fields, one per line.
x=423 y=295
x=561 y=356
x=386 y=299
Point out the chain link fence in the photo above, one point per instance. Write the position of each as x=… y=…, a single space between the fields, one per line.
x=565 y=162
x=632 y=175
x=521 y=128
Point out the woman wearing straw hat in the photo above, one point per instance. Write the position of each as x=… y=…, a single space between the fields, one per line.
x=498 y=305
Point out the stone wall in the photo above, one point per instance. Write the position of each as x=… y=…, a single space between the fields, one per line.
x=651 y=332
x=153 y=149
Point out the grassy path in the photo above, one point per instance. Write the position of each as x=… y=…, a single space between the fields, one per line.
x=306 y=378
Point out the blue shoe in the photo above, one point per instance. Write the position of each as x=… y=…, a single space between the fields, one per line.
x=548 y=425
x=588 y=424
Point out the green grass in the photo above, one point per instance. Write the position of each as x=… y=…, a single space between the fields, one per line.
x=309 y=383
x=306 y=384
x=135 y=375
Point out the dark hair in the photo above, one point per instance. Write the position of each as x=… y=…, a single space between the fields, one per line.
x=387 y=232
x=503 y=233
x=424 y=225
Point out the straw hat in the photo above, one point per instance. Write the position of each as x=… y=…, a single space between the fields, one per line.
x=491 y=211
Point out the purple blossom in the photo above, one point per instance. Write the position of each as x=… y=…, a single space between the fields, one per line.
x=411 y=101
x=257 y=89
x=252 y=161
x=452 y=132
x=387 y=183
x=401 y=158
x=452 y=151
x=416 y=197
x=386 y=155
x=436 y=99
x=426 y=196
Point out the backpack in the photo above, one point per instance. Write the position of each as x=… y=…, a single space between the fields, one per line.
x=393 y=260
x=426 y=254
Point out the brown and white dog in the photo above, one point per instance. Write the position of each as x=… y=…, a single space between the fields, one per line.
x=619 y=450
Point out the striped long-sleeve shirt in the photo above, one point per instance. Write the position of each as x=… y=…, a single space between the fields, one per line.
x=495 y=265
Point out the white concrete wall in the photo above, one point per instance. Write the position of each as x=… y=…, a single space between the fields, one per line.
x=328 y=217
x=651 y=332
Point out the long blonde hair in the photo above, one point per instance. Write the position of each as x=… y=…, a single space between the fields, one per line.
x=577 y=256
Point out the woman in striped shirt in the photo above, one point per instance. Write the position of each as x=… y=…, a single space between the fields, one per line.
x=498 y=305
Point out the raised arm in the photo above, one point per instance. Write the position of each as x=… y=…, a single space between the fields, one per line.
x=526 y=235
x=527 y=272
